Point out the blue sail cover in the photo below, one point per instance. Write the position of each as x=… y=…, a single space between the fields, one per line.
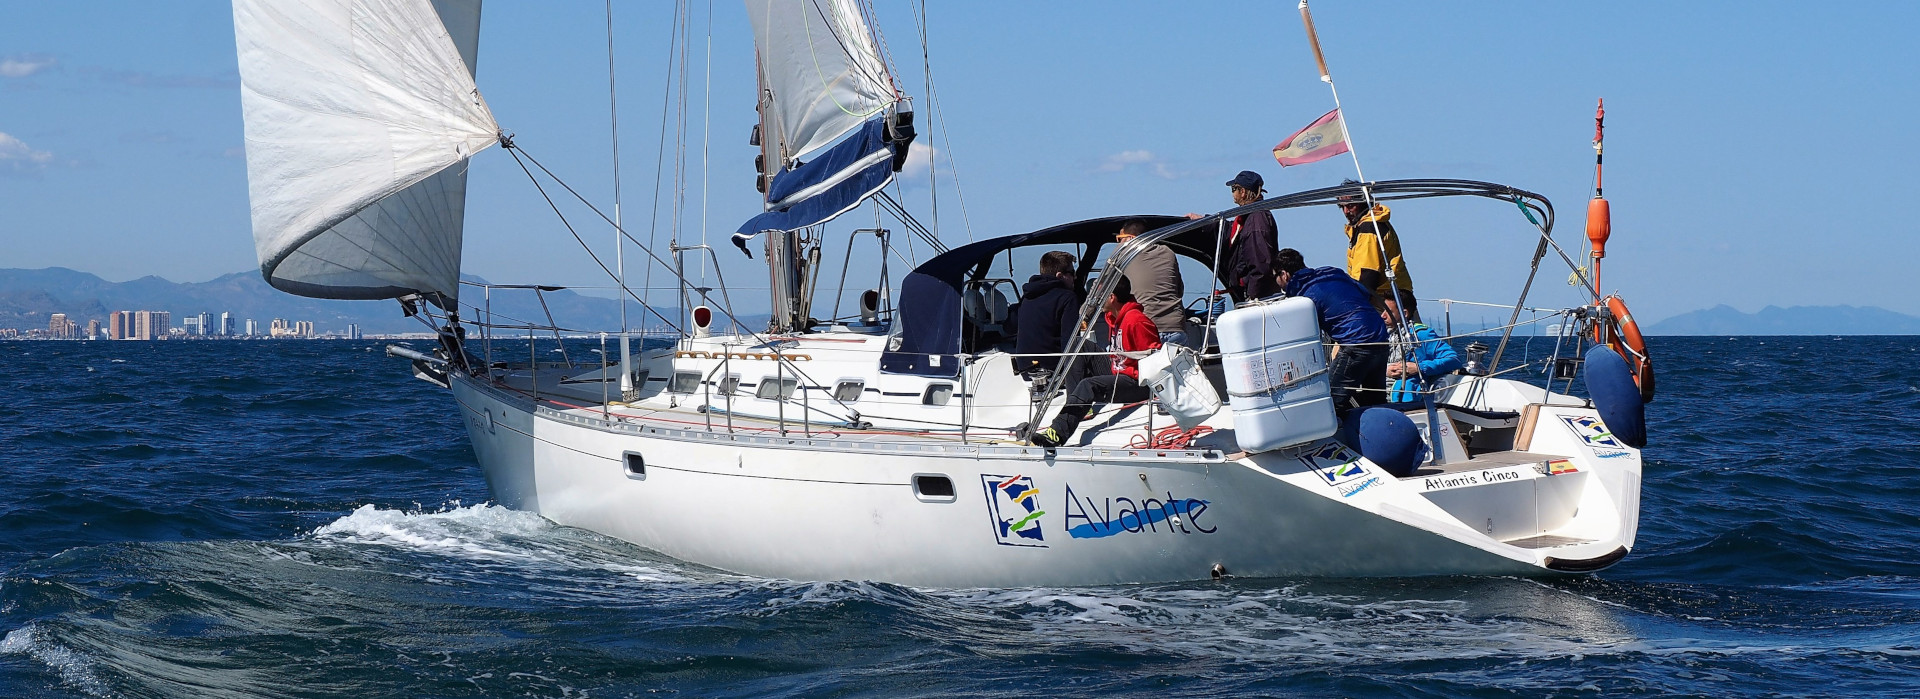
x=830 y=185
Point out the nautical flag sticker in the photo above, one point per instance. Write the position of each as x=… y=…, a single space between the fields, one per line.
x=1014 y=502
x=1559 y=466
x=1324 y=138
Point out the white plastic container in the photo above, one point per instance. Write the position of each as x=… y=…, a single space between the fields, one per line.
x=1276 y=371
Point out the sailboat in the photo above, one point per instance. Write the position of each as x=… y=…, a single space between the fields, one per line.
x=890 y=444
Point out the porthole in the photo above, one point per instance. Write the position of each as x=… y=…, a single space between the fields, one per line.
x=776 y=389
x=635 y=466
x=937 y=394
x=933 y=487
x=730 y=385
x=848 y=391
x=684 y=382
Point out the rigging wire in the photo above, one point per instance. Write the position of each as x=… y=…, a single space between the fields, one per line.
x=515 y=152
x=706 y=139
x=946 y=138
x=660 y=151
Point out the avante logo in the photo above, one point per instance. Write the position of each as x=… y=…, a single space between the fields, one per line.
x=1015 y=505
x=1334 y=464
x=1592 y=431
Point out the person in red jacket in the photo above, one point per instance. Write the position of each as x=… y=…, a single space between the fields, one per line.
x=1133 y=333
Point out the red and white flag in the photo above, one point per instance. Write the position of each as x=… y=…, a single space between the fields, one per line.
x=1324 y=138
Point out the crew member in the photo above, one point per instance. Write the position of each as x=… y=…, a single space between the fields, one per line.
x=1155 y=277
x=1133 y=334
x=1357 y=363
x=1252 y=240
x=1048 y=314
x=1414 y=368
x=1368 y=233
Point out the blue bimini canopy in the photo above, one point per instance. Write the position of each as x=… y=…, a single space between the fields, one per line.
x=927 y=326
x=830 y=185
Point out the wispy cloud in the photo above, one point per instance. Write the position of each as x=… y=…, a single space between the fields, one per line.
x=137 y=78
x=919 y=165
x=1142 y=160
x=25 y=64
x=17 y=156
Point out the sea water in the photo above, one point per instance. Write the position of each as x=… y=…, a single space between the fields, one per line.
x=301 y=518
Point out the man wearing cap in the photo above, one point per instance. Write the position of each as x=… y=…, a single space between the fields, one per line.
x=1373 y=248
x=1252 y=241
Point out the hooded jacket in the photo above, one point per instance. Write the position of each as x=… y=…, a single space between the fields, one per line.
x=1049 y=313
x=1434 y=357
x=1345 y=308
x=1132 y=332
x=1364 y=240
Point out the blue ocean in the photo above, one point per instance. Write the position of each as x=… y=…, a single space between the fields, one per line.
x=302 y=518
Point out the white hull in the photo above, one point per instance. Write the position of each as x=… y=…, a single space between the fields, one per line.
x=832 y=507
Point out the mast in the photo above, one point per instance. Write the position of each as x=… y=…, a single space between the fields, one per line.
x=627 y=389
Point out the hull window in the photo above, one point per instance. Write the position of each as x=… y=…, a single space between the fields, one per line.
x=730 y=385
x=848 y=391
x=933 y=487
x=636 y=465
x=937 y=394
x=684 y=382
x=776 y=389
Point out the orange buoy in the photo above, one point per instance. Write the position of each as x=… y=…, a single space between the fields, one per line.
x=1599 y=225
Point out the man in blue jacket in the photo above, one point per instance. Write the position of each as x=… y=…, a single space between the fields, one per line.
x=1357 y=364
x=1415 y=369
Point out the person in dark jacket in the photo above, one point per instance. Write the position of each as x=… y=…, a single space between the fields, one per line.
x=1049 y=313
x=1252 y=241
x=1357 y=364
x=1133 y=334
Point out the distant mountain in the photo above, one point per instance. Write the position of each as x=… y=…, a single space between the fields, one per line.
x=1798 y=320
x=29 y=296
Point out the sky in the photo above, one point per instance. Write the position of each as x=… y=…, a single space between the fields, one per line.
x=1757 y=152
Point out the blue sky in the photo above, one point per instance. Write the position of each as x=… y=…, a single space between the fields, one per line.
x=1758 y=153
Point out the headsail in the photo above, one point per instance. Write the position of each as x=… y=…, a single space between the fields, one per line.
x=822 y=80
x=360 y=116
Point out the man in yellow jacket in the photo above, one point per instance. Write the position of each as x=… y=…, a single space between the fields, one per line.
x=1368 y=234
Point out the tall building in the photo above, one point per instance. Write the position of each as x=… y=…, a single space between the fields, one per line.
x=303 y=328
x=253 y=328
x=120 y=325
x=93 y=329
x=279 y=328
x=205 y=325
x=60 y=328
x=353 y=331
x=226 y=324
x=151 y=325
x=192 y=324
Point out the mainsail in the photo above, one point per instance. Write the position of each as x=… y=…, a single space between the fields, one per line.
x=822 y=77
x=360 y=116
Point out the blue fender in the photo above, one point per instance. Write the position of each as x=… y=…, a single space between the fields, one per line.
x=1389 y=439
x=1616 y=397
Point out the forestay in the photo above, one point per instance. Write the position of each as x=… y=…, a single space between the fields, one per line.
x=360 y=116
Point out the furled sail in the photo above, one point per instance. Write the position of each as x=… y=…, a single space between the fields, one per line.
x=822 y=80
x=360 y=116
x=821 y=73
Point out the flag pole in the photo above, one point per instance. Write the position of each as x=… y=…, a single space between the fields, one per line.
x=1404 y=333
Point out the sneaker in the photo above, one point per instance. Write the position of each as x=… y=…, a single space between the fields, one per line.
x=1048 y=437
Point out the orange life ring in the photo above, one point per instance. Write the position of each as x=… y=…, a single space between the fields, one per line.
x=1622 y=334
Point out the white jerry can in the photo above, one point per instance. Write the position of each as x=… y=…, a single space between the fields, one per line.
x=1276 y=371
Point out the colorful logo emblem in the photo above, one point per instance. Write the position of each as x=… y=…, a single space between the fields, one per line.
x=1559 y=466
x=1592 y=431
x=1015 y=505
x=1335 y=464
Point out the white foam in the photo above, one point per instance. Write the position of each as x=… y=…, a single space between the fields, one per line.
x=487 y=533
x=74 y=669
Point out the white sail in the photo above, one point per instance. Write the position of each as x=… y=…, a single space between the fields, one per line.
x=822 y=72
x=360 y=115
